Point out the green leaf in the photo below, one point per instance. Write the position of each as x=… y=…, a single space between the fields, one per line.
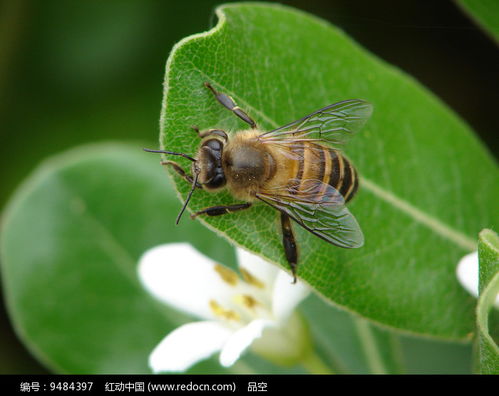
x=485 y=13
x=70 y=243
x=427 y=184
x=488 y=252
x=487 y=316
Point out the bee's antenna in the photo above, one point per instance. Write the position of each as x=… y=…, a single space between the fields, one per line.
x=194 y=184
x=171 y=153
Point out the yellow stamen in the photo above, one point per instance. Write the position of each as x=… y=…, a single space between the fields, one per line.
x=252 y=280
x=219 y=311
x=226 y=274
x=246 y=300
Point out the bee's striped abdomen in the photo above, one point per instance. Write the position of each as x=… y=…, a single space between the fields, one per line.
x=343 y=176
x=310 y=161
x=327 y=165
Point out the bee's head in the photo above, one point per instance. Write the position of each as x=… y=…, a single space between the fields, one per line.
x=207 y=168
x=209 y=164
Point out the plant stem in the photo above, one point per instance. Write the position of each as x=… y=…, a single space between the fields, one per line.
x=315 y=365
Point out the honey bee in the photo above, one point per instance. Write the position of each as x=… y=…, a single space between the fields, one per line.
x=297 y=169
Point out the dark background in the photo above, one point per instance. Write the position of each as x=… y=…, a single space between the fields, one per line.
x=73 y=72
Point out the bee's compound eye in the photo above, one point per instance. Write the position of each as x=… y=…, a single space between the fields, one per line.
x=214 y=144
x=218 y=180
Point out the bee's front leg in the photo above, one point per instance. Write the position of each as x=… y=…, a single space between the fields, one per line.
x=217 y=132
x=288 y=240
x=177 y=168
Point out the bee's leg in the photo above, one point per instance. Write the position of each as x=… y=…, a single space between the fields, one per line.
x=229 y=103
x=218 y=132
x=288 y=240
x=221 y=210
x=176 y=167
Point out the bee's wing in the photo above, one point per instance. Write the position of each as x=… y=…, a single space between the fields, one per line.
x=319 y=208
x=334 y=124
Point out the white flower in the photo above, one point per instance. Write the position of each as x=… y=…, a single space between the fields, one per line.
x=253 y=310
x=467 y=273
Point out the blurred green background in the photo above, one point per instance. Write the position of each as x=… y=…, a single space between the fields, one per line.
x=73 y=72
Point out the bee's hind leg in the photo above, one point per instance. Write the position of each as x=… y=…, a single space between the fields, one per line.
x=288 y=240
x=230 y=104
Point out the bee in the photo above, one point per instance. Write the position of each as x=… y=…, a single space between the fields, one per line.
x=297 y=169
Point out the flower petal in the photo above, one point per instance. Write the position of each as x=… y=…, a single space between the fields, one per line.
x=188 y=344
x=286 y=296
x=180 y=276
x=467 y=273
x=262 y=270
x=241 y=340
